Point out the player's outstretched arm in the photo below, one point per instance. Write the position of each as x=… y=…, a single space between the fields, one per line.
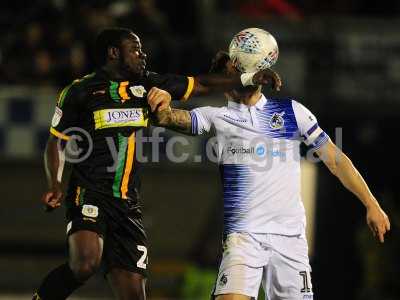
x=204 y=84
x=224 y=77
x=54 y=167
x=342 y=167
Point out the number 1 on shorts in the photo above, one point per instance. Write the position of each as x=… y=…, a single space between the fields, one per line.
x=306 y=286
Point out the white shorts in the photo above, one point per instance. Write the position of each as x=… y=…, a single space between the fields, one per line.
x=280 y=263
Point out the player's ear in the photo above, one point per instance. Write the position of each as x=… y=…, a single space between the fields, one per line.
x=113 y=52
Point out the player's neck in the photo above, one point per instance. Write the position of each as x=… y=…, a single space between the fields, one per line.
x=253 y=99
x=112 y=72
x=115 y=72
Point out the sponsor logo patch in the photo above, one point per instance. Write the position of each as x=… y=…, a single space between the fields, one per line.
x=107 y=118
x=260 y=150
x=233 y=150
x=90 y=211
x=56 y=117
x=223 y=280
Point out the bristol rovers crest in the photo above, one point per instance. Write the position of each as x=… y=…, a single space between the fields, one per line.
x=277 y=121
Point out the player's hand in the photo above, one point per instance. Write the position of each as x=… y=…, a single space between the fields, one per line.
x=378 y=222
x=52 y=198
x=268 y=76
x=158 y=99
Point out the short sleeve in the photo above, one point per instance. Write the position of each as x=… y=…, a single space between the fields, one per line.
x=180 y=87
x=202 y=119
x=311 y=134
x=67 y=112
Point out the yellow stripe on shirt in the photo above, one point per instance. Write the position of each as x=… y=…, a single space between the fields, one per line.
x=78 y=194
x=122 y=91
x=59 y=134
x=189 y=89
x=128 y=166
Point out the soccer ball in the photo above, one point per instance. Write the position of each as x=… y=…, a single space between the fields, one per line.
x=253 y=49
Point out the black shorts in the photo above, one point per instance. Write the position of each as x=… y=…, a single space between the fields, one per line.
x=117 y=221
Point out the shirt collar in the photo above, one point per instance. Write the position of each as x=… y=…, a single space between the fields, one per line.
x=242 y=107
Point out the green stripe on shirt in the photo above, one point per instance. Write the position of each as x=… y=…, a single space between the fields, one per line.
x=68 y=87
x=122 y=146
x=114 y=91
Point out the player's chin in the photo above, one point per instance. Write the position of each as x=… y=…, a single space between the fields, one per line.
x=140 y=70
x=135 y=70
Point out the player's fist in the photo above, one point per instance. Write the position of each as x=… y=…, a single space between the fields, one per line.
x=268 y=76
x=378 y=222
x=52 y=198
x=158 y=99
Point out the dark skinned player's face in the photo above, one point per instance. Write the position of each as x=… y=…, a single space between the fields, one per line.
x=132 y=58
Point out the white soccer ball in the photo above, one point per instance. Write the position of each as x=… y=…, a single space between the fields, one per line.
x=253 y=49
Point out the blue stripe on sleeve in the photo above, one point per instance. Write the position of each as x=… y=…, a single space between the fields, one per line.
x=320 y=141
x=312 y=129
x=194 y=123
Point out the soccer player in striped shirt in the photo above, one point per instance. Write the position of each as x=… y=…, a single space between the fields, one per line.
x=257 y=147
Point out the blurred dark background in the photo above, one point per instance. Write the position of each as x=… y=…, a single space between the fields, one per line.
x=339 y=58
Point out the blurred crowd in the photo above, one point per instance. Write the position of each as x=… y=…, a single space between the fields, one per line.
x=49 y=42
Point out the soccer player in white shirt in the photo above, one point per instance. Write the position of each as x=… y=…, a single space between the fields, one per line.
x=257 y=147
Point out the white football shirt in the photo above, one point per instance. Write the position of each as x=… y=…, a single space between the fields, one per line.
x=257 y=148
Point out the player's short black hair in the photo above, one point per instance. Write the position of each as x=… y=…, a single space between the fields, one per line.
x=109 y=37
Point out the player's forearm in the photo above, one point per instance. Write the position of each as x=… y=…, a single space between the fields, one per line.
x=221 y=82
x=207 y=83
x=175 y=119
x=53 y=162
x=353 y=181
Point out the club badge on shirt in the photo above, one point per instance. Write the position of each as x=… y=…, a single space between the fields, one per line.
x=277 y=121
x=138 y=90
x=90 y=211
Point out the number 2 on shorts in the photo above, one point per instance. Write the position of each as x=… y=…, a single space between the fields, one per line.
x=141 y=263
